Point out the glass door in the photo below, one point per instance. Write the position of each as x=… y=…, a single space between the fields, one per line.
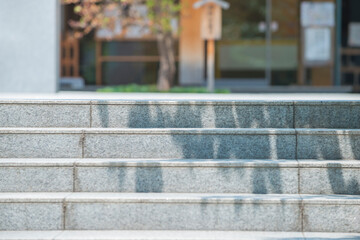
x=285 y=39
x=242 y=52
x=259 y=46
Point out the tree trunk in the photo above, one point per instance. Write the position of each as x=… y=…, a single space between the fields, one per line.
x=167 y=68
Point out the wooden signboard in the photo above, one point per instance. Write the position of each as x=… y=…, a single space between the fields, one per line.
x=211 y=22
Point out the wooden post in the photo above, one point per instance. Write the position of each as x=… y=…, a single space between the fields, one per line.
x=268 y=41
x=76 y=58
x=357 y=82
x=210 y=65
x=301 y=69
x=68 y=59
x=98 y=62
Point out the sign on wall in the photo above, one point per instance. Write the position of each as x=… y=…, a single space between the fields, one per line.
x=317 y=44
x=317 y=14
x=354 y=34
x=318 y=22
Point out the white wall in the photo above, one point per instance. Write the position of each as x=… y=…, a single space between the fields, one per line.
x=29 y=45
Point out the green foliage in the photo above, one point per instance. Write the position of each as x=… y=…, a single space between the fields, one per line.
x=153 y=89
x=160 y=16
x=161 y=13
x=242 y=19
x=92 y=14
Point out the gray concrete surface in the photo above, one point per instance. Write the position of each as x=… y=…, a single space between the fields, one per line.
x=199 y=113
x=171 y=235
x=192 y=114
x=192 y=143
x=45 y=114
x=327 y=114
x=328 y=144
x=181 y=176
x=37 y=145
x=144 y=211
x=183 y=96
x=29 y=60
x=36 y=179
x=31 y=216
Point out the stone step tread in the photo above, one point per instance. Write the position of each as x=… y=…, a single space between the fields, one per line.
x=193 y=131
x=230 y=100
x=196 y=131
x=169 y=235
x=207 y=198
x=170 y=102
x=149 y=162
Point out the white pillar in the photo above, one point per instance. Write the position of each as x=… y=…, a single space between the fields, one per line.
x=29 y=45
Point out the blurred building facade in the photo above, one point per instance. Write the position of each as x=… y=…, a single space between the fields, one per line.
x=249 y=54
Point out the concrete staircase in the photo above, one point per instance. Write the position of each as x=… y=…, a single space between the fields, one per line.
x=70 y=167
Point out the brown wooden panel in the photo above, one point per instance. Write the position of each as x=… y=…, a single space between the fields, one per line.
x=321 y=76
x=350 y=51
x=70 y=57
x=129 y=58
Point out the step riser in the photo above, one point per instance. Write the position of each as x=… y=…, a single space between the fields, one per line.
x=188 y=180
x=191 y=146
x=44 y=115
x=196 y=146
x=340 y=115
x=180 y=216
x=329 y=181
x=192 y=116
x=140 y=179
x=147 y=146
x=181 y=180
x=181 y=115
x=330 y=147
x=36 y=179
x=40 y=145
x=164 y=216
x=31 y=216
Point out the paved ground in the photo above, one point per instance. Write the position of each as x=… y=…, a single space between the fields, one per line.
x=174 y=96
x=172 y=235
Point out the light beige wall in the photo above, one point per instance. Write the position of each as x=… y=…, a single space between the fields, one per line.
x=191 y=46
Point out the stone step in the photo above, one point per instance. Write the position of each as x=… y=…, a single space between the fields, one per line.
x=164 y=211
x=147 y=143
x=180 y=176
x=170 y=235
x=184 y=143
x=180 y=114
